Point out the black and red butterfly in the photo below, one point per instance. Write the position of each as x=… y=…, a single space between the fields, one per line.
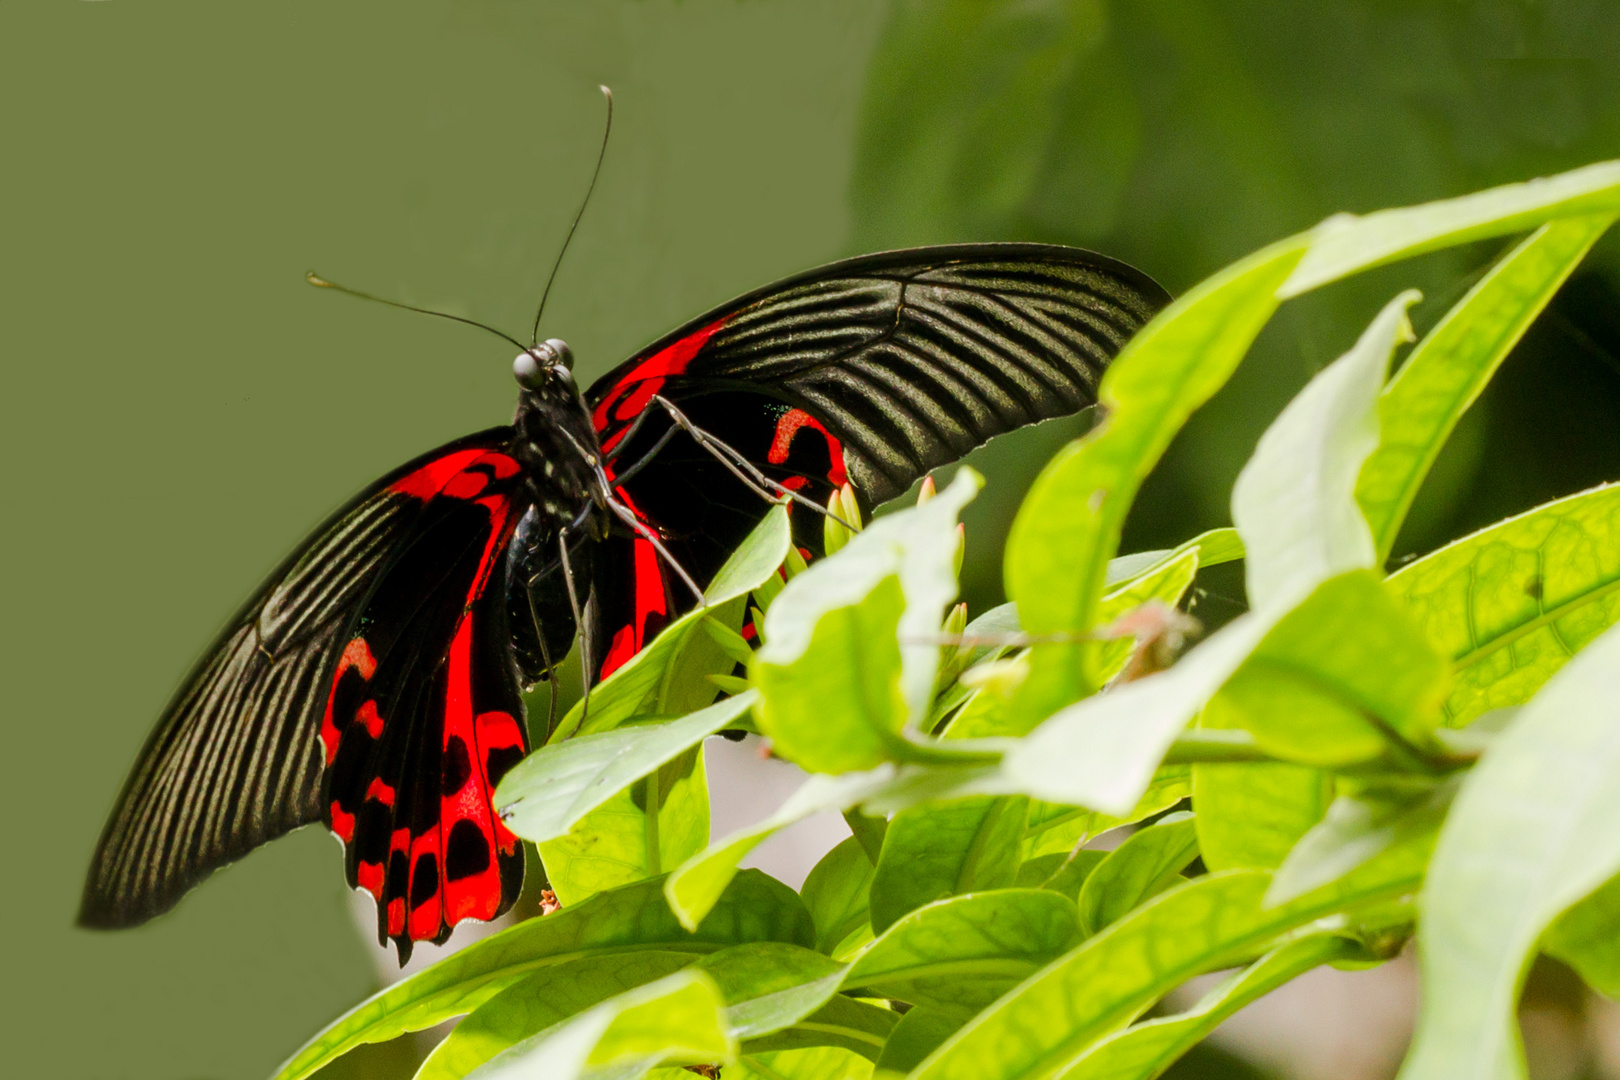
x=375 y=681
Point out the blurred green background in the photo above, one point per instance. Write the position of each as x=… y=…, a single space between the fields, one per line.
x=180 y=407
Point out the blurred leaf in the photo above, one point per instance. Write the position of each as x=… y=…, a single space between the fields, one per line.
x=668 y=677
x=541 y=1000
x=1251 y=816
x=1346 y=244
x=1061 y=828
x=1145 y=1050
x=1358 y=828
x=676 y=1019
x=1068 y=527
x=958 y=955
x=1587 y=938
x=850 y=654
x=842 y=1022
x=546 y=793
x=1070 y=876
x=1512 y=603
x=770 y=985
x=634 y=918
x=918 y=1034
x=1214 y=547
x=1535 y=827
x=1451 y=365
x=836 y=890
x=938 y=850
x=1049 y=1020
x=815 y=1063
x=1146 y=864
x=638 y=832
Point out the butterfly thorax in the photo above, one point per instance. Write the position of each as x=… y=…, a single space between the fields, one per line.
x=555 y=442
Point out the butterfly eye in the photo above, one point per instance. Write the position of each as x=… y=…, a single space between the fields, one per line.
x=564 y=355
x=563 y=376
x=529 y=370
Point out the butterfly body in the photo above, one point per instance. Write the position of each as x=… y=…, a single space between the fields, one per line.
x=375 y=682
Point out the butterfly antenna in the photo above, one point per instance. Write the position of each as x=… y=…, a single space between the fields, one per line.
x=601 y=155
x=321 y=283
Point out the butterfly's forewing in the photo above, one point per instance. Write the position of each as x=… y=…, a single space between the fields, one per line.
x=874 y=370
x=237 y=757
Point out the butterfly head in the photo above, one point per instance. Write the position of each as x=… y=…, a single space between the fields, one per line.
x=544 y=365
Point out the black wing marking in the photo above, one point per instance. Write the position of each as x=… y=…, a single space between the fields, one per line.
x=236 y=758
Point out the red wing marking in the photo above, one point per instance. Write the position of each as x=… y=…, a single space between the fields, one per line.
x=632 y=393
x=788 y=425
x=449 y=474
x=651 y=603
x=356 y=657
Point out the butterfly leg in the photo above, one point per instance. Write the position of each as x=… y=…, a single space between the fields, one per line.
x=579 y=621
x=737 y=463
x=628 y=516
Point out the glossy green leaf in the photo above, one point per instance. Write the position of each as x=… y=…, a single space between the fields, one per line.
x=1512 y=603
x=1346 y=244
x=668 y=677
x=1535 y=827
x=850 y=653
x=937 y=850
x=1041 y=1028
x=1069 y=525
x=634 y=918
x=958 y=955
x=696 y=885
x=1145 y=1050
x=1451 y=365
x=1214 y=547
x=1146 y=864
x=676 y=1020
x=836 y=891
x=546 y=793
x=813 y=1063
x=543 y=999
x=637 y=833
x=1358 y=828
x=770 y=985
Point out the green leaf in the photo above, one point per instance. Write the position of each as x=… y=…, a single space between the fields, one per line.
x=1512 y=603
x=1147 y=1049
x=1451 y=365
x=938 y=850
x=1070 y=877
x=850 y=654
x=1069 y=525
x=1358 y=828
x=1054 y=827
x=958 y=955
x=771 y=985
x=842 y=1022
x=1214 y=547
x=1346 y=244
x=1043 y=1026
x=637 y=833
x=541 y=1000
x=1252 y=816
x=668 y=677
x=813 y=1063
x=546 y=793
x=836 y=890
x=918 y=1034
x=675 y=1020
x=1535 y=828
x=1587 y=938
x=1146 y=864
x=1294 y=505
x=1294 y=502
x=696 y=885
x=634 y=919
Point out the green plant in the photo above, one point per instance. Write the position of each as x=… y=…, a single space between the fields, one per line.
x=1366 y=757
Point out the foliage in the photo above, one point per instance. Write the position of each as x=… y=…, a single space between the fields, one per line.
x=1356 y=761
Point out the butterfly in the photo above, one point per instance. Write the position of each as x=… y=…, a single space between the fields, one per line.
x=375 y=682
